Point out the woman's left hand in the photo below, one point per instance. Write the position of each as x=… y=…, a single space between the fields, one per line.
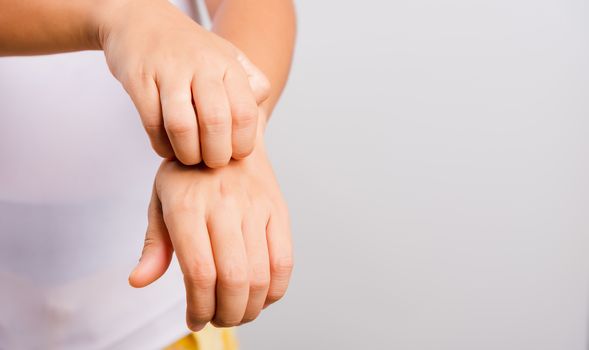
x=230 y=230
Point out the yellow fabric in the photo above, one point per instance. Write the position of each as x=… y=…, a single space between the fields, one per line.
x=210 y=338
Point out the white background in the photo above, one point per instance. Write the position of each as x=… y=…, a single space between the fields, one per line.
x=435 y=159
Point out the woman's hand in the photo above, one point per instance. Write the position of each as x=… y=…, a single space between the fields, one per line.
x=196 y=93
x=230 y=230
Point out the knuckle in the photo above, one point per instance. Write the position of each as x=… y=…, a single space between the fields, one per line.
x=259 y=284
x=197 y=315
x=233 y=277
x=149 y=243
x=152 y=124
x=128 y=79
x=180 y=126
x=134 y=78
x=260 y=278
x=150 y=118
x=202 y=275
x=215 y=123
x=274 y=296
x=244 y=115
x=282 y=266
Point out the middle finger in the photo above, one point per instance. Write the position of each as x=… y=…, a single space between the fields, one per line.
x=231 y=262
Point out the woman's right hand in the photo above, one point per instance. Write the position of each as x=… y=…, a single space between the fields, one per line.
x=196 y=93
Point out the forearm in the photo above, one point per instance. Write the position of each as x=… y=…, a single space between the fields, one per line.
x=30 y=27
x=265 y=31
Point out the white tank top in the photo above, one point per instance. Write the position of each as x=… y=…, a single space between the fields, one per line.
x=76 y=171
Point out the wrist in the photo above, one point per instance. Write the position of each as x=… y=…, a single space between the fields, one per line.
x=82 y=20
x=103 y=13
x=106 y=16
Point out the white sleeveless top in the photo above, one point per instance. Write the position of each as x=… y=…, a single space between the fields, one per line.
x=76 y=171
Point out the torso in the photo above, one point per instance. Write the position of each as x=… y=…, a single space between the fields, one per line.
x=75 y=178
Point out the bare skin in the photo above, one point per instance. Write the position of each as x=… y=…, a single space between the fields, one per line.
x=235 y=75
x=167 y=67
x=195 y=91
x=230 y=230
x=272 y=23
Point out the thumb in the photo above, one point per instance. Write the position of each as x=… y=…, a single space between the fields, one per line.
x=157 y=248
x=259 y=83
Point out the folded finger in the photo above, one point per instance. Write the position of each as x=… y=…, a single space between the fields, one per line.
x=180 y=119
x=214 y=119
x=146 y=98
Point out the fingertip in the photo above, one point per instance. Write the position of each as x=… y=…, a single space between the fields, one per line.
x=243 y=153
x=190 y=160
x=216 y=163
x=134 y=280
x=163 y=150
x=138 y=278
x=196 y=327
x=149 y=269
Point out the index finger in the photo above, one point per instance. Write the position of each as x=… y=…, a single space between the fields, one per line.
x=190 y=238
